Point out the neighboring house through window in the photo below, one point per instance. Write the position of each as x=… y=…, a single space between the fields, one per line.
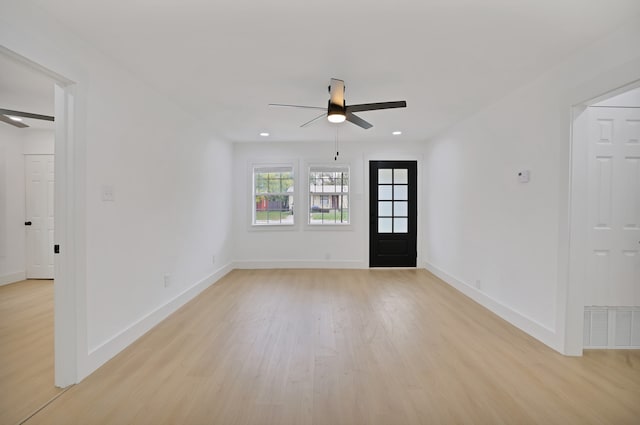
x=273 y=194
x=329 y=195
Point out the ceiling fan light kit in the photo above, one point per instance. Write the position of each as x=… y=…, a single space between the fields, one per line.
x=335 y=113
x=15 y=117
x=338 y=111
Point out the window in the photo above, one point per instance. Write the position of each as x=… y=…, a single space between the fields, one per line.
x=393 y=200
x=273 y=192
x=329 y=195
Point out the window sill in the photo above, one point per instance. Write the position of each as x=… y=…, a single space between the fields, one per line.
x=329 y=227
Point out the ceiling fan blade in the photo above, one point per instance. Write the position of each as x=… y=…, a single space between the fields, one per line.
x=358 y=121
x=8 y=120
x=336 y=90
x=322 y=115
x=26 y=115
x=298 y=106
x=375 y=106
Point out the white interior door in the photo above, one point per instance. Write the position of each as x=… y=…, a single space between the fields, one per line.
x=39 y=213
x=613 y=274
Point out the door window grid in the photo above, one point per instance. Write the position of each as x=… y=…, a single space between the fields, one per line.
x=393 y=196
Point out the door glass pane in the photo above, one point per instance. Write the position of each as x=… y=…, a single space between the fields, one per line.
x=384 y=209
x=401 y=209
x=384 y=176
x=401 y=176
x=384 y=192
x=400 y=193
x=384 y=225
x=400 y=225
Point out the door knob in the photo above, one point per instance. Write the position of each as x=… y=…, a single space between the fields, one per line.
x=27 y=223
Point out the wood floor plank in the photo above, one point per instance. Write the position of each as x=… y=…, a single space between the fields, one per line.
x=347 y=347
x=26 y=348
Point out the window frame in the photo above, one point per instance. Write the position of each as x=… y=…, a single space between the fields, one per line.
x=314 y=167
x=253 y=168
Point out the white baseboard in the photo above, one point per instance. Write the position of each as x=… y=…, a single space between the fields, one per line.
x=12 y=277
x=108 y=349
x=538 y=331
x=300 y=264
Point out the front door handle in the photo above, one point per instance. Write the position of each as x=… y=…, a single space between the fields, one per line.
x=27 y=223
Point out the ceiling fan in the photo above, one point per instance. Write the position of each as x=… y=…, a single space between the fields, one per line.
x=15 y=117
x=338 y=111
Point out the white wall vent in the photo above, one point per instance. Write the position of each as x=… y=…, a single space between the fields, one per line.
x=611 y=327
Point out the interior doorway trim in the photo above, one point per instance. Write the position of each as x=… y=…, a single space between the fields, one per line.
x=68 y=220
x=571 y=292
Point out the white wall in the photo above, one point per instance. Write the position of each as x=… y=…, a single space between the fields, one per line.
x=12 y=205
x=304 y=245
x=38 y=142
x=170 y=177
x=628 y=99
x=482 y=225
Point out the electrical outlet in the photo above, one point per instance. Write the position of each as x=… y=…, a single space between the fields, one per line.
x=478 y=284
x=167 y=280
x=327 y=256
x=213 y=259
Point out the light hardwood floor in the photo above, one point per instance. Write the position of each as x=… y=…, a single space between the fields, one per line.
x=26 y=348
x=347 y=347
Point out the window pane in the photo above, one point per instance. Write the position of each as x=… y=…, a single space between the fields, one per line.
x=273 y=191
x=400 y=193
x=261 y=183
x=273 y=183
x=384 y=209
x=401 y=176
x=384 y=225
x=384 y=176
x=401 y=209
x=286 y=182
x=400 y=225
x=274 y=210
x=328 y=199
x=384 y=192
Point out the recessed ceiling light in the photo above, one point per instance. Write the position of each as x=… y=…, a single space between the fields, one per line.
x=14 y=118
x=264 y=134
x=397 y=133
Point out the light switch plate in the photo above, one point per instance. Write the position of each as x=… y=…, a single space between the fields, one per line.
x=108 y=194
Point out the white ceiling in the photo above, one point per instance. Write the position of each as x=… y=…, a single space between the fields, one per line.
x=225 y=60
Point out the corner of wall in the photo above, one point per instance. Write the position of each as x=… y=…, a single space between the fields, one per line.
x=531 y=327
x=98 y=356
x=12 y=277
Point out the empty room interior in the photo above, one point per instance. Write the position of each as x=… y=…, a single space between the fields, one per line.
x=320 y=213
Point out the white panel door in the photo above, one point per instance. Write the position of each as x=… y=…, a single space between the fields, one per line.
x=39 y=212
x=613 y=277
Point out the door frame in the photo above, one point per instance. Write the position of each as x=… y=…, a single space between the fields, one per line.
x=412 y=207
x=69 y=231
x=394 y=155
x=572 y=270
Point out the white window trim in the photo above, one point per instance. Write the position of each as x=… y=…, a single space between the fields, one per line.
x=253 y=226
x=307 y=193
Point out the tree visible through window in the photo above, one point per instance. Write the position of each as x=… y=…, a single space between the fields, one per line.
x=273 y=189
x=328 y=195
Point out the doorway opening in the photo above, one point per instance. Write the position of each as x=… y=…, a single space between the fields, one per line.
x=605 y=222
x=393 y=224
x=68 y=232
